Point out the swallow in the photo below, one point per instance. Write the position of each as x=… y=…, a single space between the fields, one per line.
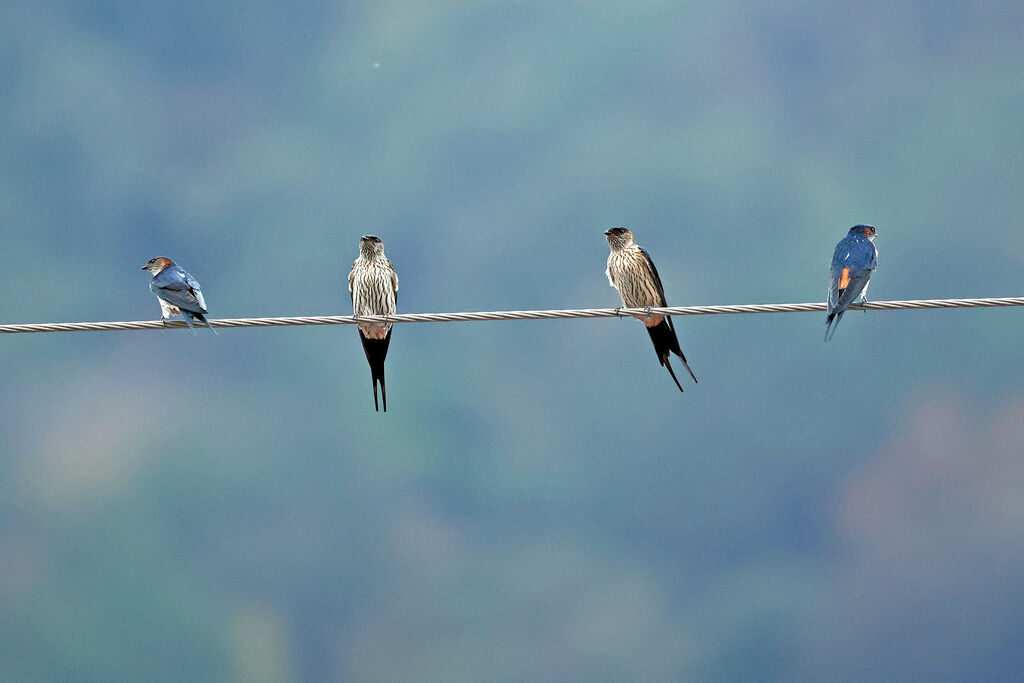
x=177 y=291
x=373 y=284
x=631 y=271
x=855 y=258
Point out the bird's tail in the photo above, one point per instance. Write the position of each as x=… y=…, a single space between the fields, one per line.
x=663 y=336
x=832 y=323
x=201 y=318
x=671 y=372
x=376 y=351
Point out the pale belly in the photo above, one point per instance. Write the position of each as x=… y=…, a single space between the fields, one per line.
x=373 y=295
x=167 y=310
x=638 y=292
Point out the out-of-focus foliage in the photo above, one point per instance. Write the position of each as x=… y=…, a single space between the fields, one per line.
x=540 y=503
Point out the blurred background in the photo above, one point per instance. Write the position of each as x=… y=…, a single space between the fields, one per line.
x=540 y=503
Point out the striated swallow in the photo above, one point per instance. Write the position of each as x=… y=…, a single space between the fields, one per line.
x=374 y=287
x=631 y=271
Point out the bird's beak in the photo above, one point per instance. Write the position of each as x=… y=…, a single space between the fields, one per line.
x=143 y=268
x=608 y=231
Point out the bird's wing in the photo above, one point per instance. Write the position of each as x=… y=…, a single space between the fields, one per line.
x=833 y=295
x=394 y=278
x=857 y=282
x=195 y=289
x=841 y=256
x=351 y=283
x=654 y=272
x=174 y=288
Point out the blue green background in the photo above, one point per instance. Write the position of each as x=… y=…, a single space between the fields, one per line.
x=539 y=503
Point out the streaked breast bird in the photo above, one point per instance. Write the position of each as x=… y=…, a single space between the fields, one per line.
x=631 y=271
x=374 y=287
x=177 y=291
x=855 y=258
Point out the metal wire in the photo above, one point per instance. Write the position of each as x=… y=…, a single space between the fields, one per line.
x=510 y=315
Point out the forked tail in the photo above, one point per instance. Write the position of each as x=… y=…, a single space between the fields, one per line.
x=663 y=336
x=832 y=323
x=376 y=351
x=201 y=318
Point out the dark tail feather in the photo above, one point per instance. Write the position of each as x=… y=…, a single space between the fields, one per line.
x=663 y=336
x=832 y=323
x=669 y=366
x=376 y=351
x=686 y=365
x=202 y=319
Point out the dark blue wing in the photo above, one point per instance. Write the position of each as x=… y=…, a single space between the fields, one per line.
x=833 y=294
x=856 y=285
x=178 y=288
x=841 y=255
x=196 y=290
x=657 y=278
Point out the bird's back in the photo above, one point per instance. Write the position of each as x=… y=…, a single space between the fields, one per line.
x=854 y=252
x=179 y=288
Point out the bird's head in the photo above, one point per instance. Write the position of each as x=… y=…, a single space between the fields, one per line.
x=371 y=245
x=866 y=230
x=618 y=238
x=155 y=265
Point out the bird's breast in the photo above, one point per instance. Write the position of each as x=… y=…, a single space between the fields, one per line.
x=634 y=280
x=373 y=294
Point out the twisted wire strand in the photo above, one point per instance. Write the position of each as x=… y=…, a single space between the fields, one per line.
x=511 y=315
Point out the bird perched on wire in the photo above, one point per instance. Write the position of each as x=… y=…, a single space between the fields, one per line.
x=855 y=258
x=631 y=271
x=177 y=291
x=374 y=287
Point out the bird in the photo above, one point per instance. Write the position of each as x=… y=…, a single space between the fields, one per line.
x=631 y=271
x=373 y=284
x=855 y=258
x=177 y=291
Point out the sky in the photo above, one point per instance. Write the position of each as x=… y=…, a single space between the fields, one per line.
x=539 y=502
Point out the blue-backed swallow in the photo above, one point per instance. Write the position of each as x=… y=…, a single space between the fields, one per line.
x=177 y=291
x=853 y=262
